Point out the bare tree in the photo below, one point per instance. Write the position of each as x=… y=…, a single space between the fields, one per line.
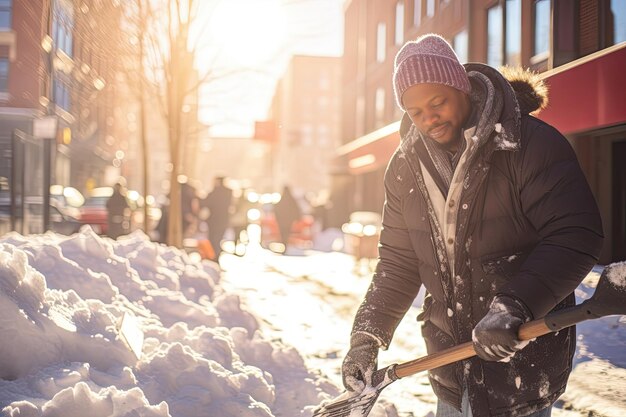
x=136 y=19
x=163 y=60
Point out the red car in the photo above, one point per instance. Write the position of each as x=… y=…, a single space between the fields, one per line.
x=94 y=213
x=301 y=231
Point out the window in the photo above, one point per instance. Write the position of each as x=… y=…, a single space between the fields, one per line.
x=62 y=28
x=399 y=22
x=379 y=103
x=618 y=12
x=417 y=13
x=504 y=33
x=62 y=95
x=430 y=8
x=5 y=14
x=381 y=42
x=306 y=135
x=541 y=20
x=324 y=81
x=460 y=45
x=4 y=75
x=513 y=32
x=494 y=36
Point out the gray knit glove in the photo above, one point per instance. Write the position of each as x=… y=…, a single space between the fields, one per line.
x=360 y=362
x=495 y=336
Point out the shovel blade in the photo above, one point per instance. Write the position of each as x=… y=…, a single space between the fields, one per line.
x=358 y=405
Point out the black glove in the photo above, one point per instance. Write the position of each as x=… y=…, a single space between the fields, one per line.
x=360 y=362
x=495 y=336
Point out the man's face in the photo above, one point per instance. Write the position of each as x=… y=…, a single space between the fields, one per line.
x=438 y=111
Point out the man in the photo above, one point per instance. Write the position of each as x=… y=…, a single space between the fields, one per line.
x=117 y=212
x=218 y=201
x=487 y=207
x=287 y=211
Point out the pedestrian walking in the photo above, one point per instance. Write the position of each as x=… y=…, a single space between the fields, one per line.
x=218 y=202
x=487 y=207
x=239 y=217
x=287 y=211
x=117 y=216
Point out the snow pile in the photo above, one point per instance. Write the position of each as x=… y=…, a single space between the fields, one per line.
x=130 y=327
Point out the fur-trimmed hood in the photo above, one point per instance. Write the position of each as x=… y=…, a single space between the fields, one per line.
x=530 y=90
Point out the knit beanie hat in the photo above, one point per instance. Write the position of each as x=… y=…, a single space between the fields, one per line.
x=429 y=59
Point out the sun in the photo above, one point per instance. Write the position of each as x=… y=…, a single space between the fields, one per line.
x=251 y=32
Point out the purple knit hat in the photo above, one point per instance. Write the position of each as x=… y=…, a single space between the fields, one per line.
x=429 y=59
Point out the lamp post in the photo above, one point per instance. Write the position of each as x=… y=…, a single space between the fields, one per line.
x=45 y=128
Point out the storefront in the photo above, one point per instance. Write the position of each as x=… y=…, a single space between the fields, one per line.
x=588 y=105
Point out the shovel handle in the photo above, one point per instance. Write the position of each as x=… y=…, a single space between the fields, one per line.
x=527 y=331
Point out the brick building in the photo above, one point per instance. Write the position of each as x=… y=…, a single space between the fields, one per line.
x=60 y=59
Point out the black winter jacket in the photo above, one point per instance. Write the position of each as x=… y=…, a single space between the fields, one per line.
x=527 y=225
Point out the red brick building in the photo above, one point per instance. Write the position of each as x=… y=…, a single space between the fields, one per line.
x=60 y=58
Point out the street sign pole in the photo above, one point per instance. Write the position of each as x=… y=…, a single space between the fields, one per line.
x=46 y=183
x=45 y=128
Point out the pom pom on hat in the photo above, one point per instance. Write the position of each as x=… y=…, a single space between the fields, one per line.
x=429 y=59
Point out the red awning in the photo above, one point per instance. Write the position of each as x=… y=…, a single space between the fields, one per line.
x=372 y=151
x=588 y=93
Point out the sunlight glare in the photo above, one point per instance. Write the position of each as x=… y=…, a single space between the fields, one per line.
x=250 y=31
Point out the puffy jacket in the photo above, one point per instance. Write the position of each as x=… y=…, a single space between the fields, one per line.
x=526 y=225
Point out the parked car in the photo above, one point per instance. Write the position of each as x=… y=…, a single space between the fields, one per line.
x=301 y=231
x=94 y=211
x=62 y=221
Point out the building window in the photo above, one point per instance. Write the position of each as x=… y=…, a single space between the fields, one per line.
x=430 y=8
x=513 y=32
x=399 y=22
x=324 y=81
x=417 y=12
x=4 y=75
x=460 y=45
x=618 y=12
x=494 y=36
x=63 y=27
x=5 y=14
x=541 y=20
x=62 y=95
x=379 y=103
x=381 y=42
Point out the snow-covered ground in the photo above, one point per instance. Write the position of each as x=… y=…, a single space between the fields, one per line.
x=91 y=326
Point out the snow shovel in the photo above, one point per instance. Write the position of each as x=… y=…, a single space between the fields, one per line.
x=609 y=298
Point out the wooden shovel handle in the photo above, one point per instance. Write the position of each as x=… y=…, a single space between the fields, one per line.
x=527 y=331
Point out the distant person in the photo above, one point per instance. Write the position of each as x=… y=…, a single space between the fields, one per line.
x=117 y=208
x=239 y=218
x=287 y=211
x=218 y=202
x=161 y=227
x=189 y=208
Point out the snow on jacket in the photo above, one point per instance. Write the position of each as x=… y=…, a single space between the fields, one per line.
x=519 y=219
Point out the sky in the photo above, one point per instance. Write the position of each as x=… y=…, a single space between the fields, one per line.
x=252 y=40
x=135 y=328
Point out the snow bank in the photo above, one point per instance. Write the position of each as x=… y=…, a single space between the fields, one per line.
x=132 y=327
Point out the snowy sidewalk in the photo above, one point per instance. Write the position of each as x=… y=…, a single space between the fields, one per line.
x=327 y=291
